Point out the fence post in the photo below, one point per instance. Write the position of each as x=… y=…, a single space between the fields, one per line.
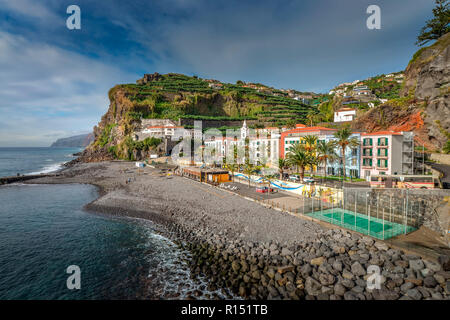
x=404 y=214
x=368 y=225
x=303 y=199
x=378 y=200
x=390 y=209
x=356 y=199
x=383 y=223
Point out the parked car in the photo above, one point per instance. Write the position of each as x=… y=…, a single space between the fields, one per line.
x=308 y=180
x=294 y=177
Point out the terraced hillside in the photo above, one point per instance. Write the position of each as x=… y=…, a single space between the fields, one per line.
x=174 y=96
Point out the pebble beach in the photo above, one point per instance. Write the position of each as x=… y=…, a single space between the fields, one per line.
x=254 y=251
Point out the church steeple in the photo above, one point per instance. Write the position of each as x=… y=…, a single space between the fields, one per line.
x=244 y=130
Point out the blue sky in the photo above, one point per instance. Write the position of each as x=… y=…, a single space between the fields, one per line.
x=54 y=81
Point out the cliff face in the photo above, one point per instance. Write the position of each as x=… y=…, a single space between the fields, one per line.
x=424 y=103
x=79 y=141
x=175 y=96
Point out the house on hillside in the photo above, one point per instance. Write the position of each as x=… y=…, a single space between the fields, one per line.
x=344 y=114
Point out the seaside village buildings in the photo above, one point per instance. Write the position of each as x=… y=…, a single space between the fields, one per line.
x=378 y=153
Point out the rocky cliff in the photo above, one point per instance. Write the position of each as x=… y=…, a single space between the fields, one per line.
x=424 y=103
x=79 y=141
x=176 y=96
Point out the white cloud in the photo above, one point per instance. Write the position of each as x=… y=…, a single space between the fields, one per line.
x=45 y=89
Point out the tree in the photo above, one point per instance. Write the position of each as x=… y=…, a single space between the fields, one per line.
x=437 y=26
x=326 y=152
x=310 y=147
x=282 y=164
x=299 y=157
x=290 y=124
x=344 y=141
x=249 y=169
x=231 y=167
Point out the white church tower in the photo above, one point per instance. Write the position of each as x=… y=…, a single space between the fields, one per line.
x=244 y=130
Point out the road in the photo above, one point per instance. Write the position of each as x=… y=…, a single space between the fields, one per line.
x=445 y=169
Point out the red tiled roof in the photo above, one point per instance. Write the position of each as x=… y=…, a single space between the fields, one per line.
x=383 y=133
x=163 y=127
x=346 y=109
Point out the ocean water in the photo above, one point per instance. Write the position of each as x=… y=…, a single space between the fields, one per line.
x=44 y=230
x=33 y=160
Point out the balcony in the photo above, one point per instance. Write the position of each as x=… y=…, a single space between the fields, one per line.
x=382 y=168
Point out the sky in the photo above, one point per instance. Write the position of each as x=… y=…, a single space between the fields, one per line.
x=54 y=81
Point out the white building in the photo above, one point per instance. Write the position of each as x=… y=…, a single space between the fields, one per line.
x=344 y=114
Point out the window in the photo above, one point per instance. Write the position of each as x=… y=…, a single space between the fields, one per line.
x=354 y=152
x=382 y=163
x=382 y=141
x=367 y=142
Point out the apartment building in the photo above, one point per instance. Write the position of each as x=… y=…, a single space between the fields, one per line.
x=387 y=152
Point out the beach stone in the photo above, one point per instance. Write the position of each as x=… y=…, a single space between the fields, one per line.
x=381 y=246
x=256 y=274
x=416 y=265
x=402 y=263
x=447 y=287
x=306 y=270
x=415 y=281
x=350 y=296
x=347 y=275
x=414 y=294
x=444 y=261
x=337 y=265
x=326 y=279
x=339 y=289
x=406 y=286
x=282 y=270
x=426 y=272
x=358 y=289
x=424 y=292
x=357 y=269
x=235 y=266
x=436 y=295
x=313 y=287
x=430 y=282
x=317 y=261
x=323 y=296
x=271 y=273
x=286 y=252
x=383 y=294
x=435 y=267
x=439 y=278
x=348 y=283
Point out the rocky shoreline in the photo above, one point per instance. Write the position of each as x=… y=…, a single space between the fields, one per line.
x=256 y=252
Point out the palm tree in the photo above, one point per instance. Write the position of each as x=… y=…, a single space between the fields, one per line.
x=299 y=157
x=310 y=147
x=231 y=167
x=249 y=169
x=343 y=140
x=282 y=164
x=326 y=152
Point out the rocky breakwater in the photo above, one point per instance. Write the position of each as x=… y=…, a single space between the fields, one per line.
x=332 y=267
